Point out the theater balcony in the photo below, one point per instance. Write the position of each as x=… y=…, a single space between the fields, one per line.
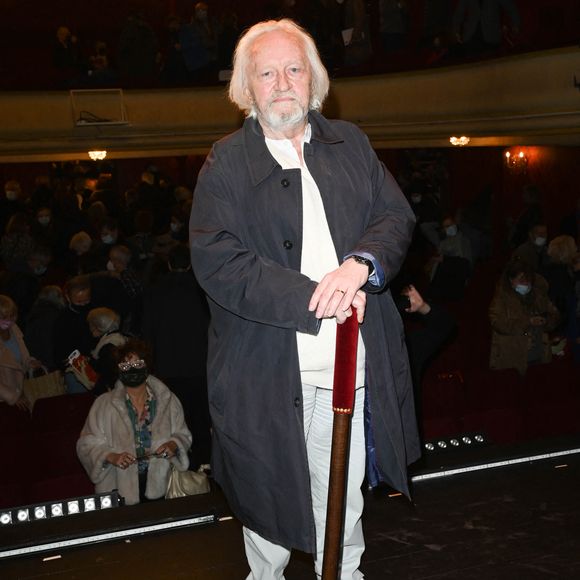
x=528 y=99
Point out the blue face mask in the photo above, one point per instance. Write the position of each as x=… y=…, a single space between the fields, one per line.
x=451 y=231
x=523 y=289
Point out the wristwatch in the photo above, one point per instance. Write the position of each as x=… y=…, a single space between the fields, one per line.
x=364 y=261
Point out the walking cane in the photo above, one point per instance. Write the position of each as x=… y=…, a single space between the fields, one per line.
x=342 y=405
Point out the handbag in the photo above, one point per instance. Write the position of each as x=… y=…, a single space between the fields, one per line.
x=43 y=386
x=182 y=483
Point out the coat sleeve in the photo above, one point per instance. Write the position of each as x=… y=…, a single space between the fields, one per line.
x=93 y=445
x=179 y=433
x=235 y=277
x=390 y=227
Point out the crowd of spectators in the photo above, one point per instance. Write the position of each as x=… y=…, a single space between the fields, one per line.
x=353 y=36
x=84 y=267
x=535 y=311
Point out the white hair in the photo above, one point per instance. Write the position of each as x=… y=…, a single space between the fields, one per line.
x=238 y=89
x=104 y=319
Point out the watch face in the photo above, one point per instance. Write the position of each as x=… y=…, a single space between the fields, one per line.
x=364 y=261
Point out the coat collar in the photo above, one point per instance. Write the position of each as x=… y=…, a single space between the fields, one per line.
x=259 y=160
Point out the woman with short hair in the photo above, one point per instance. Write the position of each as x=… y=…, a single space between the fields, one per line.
x=134 y=433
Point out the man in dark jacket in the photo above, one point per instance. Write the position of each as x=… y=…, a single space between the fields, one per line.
x=296 y=226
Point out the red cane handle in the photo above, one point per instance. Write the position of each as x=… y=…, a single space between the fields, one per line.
x=345 y=365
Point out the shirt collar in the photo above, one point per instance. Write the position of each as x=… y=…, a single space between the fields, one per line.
x=260 y=161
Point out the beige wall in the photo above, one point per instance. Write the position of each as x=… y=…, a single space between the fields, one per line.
x=528 y=99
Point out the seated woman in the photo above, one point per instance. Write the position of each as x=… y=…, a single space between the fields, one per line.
x=521 y=317
x=134 y=433
x=104 y=325
x=15 y=361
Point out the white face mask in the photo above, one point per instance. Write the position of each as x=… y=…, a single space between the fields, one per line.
x=451 y=230
x=44 y=220
x=540 y=242
x=523 y=289
x=108 y=239
x=416 y=198
x=175 y=227
x=110 y=266
x=12 y=195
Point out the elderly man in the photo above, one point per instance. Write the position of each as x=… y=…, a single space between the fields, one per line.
x=294 y=221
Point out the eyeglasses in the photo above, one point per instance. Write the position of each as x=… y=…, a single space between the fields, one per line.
x=134 y=364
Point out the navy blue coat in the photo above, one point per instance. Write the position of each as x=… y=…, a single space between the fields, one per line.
x=246 y=235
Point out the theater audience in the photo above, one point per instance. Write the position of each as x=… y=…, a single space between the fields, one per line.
x=522 y=317
x=81 y=257
x=66 y=55
x=15 y=360
x=175 y=235
x=435 y=325
x=451 y=267
x=530 y=215
x=393 y=24
x=427 y=211
x=175 y=323
x=41 y=325
x=104 y=325
x=533 y=250
x=479 y=24
x=17 y=243
x=570 y=223
x=137 y=51
x=11 y=202
x=142 y=243
x=134 y=433
x=44 y=228
x=454 y=243
x=173 y=70
x=558 y=272
x=356 y=33
x=72 y=330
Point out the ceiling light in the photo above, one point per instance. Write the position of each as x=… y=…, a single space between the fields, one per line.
x=459 y=141
x=96 y=155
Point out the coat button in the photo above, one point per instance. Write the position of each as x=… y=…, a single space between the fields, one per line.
x=288 y=244
x=297 y=402
x=285 y=183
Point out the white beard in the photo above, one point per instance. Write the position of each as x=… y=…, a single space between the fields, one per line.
x=292 y=113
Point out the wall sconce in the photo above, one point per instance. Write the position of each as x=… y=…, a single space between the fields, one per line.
x=97 y=155
x=517 y=162
x=459 y=141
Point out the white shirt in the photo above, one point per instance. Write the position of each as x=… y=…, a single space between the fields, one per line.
x=315 y=353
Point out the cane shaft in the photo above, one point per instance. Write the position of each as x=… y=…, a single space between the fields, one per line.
x=336 y=493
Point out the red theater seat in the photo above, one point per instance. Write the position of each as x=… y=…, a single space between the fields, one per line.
x=63 y=413
x=13 y=420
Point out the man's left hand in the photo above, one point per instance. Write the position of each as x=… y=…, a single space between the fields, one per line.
x=340 y=291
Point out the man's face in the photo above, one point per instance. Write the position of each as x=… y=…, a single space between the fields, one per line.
x=80 y=297
x=279 y=80
x=538 y=232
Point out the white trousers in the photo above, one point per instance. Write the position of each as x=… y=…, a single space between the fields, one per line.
x=267 y=560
